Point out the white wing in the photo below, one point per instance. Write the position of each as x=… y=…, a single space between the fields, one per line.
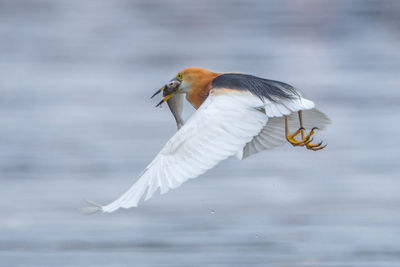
x=218 y=129
x=273 y=133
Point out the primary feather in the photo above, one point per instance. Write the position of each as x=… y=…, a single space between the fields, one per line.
x=220 y=127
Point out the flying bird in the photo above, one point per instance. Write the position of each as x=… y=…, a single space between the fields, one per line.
x=237 y=114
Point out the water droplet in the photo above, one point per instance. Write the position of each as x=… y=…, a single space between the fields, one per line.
x=212 y=211
x=257 y=236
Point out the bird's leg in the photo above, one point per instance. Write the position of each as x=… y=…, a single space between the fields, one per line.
x=300 y=113
x=291 y=137
x=308 y=144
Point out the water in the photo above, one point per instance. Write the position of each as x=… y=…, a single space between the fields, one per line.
x=77 y=122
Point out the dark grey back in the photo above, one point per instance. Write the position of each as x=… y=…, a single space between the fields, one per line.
x=263 y=88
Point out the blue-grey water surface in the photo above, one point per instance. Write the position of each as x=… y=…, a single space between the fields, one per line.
x=77 y=122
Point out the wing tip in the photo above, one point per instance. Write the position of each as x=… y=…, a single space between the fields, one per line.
x=92 y=208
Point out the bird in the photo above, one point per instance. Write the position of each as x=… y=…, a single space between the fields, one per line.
x=236 y=114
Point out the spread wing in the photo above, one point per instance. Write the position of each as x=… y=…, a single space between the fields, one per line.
x=280 y=100
x=218 y=129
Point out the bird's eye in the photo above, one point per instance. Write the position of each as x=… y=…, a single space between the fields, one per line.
x=179 y=76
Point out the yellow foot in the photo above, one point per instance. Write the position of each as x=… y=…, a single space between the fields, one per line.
x=305 y=141
x=315 y=147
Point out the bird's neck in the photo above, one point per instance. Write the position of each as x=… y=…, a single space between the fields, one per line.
x=200 y=89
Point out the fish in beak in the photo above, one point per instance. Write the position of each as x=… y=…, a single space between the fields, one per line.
x=168 y=90
x=173 y=99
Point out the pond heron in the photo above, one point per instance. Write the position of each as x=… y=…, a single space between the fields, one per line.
x=237 y=114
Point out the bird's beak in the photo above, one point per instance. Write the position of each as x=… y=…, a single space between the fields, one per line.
x=157 y=92
x=168 y=90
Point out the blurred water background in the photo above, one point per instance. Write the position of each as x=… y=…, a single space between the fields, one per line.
x=76 y=122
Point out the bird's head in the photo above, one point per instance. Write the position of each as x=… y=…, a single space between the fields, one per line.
x=188 y=80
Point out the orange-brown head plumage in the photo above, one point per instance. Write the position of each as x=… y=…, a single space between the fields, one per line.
x=197 y=84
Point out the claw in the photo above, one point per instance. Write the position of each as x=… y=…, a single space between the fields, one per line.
x=291 y=138
x=306 y=139
x=310 y=146
x=309 y=141
x=316 y=147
